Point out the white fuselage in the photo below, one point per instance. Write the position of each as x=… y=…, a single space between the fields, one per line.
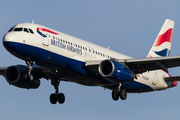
x=74 y=48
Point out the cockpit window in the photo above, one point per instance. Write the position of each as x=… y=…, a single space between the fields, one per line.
x=11 y=29
x=26 y=30
x=31 y=31
x=18 y=29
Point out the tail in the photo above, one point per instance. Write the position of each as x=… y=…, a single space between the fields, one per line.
x=162 y=44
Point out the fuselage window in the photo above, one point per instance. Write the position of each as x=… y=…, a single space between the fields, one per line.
x=26 y=30
x=18 y=29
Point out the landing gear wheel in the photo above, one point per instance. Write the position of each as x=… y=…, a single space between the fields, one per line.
x=61 y=98
x=123 y=94
x=53 y=98
x=115 y=95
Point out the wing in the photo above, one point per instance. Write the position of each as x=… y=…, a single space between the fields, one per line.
x=142 y=65
x=2 y=70
x=41 y=72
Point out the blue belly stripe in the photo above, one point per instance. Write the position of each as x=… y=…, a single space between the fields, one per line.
x=58 y=61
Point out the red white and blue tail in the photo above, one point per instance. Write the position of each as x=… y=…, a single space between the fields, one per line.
x=162 y=44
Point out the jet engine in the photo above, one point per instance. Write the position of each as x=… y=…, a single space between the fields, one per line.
x=18 y=76
x=115 y=71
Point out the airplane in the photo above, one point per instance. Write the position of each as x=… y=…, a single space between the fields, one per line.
x=56 y=56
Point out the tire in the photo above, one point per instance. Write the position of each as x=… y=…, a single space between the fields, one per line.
x=123 y=94
x=115 y=95
x=61 y=98
x=53 y=98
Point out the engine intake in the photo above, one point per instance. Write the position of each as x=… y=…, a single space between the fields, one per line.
x=115 y=71
x=17 y=76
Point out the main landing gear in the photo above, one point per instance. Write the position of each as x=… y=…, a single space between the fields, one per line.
x=122 y=93
x=54 y=97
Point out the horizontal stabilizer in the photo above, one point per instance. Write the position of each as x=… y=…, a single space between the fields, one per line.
x=171 y=79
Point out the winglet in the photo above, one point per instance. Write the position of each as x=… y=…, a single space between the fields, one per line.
x=162 y=44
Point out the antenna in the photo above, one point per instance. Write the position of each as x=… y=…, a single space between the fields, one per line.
x=108 y=47
x=33 y=21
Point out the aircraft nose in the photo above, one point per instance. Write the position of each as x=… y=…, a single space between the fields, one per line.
x=8 y=39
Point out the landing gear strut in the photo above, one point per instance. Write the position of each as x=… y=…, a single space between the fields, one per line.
x=122 y=93
x=30 y=69
x=54 y=97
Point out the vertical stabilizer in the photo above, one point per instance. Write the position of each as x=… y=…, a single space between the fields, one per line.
x=162 y=44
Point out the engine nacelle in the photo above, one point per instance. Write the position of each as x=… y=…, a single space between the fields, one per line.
x=115 y=71
x=17 y=76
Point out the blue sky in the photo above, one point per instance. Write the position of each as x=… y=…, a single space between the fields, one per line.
x=129 y=27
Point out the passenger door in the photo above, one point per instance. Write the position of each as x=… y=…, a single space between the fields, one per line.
x=46 y=40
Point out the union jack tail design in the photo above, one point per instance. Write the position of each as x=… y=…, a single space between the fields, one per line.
x=162 y=44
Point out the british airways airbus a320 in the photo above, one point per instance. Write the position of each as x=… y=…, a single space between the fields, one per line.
x=59 y=57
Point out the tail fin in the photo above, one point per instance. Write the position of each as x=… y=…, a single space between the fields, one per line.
x=162 y=44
